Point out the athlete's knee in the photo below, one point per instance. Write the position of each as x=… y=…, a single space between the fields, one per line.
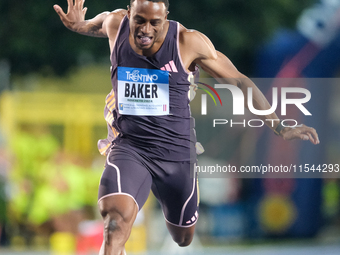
x=184 y=240
x=113 y=223
x=183 y=237
x=118 y=218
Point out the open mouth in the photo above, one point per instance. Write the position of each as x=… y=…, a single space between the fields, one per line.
x=144 y=40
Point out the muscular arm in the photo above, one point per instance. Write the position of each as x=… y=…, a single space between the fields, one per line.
x=222 y=69
x=196 y=48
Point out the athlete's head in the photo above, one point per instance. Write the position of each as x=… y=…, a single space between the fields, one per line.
x=166 y=2
x=147 y=21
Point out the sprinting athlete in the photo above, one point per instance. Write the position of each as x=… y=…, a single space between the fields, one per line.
x=151 y=140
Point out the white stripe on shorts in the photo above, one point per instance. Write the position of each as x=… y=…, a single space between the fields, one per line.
x=118 y=175
x=185 y=204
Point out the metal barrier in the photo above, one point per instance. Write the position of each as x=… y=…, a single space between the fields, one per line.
x=77 y=113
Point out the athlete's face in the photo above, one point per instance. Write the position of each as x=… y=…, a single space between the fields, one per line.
x=147 y=23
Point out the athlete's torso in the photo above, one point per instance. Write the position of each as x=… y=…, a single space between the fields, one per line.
x=168 y=137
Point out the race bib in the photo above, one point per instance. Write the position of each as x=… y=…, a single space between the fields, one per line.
x=143 y=91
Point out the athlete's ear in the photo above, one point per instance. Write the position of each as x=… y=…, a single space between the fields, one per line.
x=128 y=11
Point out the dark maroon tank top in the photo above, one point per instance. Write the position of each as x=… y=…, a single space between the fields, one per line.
x=166 y=137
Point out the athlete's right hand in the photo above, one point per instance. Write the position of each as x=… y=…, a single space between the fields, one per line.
x=75 y=14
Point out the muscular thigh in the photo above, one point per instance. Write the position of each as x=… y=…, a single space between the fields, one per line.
x=125 y=174
x=177 y=192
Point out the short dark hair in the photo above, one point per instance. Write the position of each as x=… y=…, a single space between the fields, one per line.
x=166 y=2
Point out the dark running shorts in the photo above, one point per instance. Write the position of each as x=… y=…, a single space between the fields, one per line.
x=131 y=174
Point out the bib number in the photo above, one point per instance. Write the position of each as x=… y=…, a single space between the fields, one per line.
x=143 y=91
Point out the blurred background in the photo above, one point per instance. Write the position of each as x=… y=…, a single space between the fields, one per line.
x=53 y=84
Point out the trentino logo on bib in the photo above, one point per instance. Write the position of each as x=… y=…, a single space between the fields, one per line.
x=143 y=91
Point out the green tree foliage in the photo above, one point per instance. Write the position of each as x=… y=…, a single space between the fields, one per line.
x=32 y=38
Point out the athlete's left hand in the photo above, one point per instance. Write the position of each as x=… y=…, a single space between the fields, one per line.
x=300 y=132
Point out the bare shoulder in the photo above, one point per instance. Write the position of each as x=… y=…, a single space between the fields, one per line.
x=198 y=44
x=113 y=20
